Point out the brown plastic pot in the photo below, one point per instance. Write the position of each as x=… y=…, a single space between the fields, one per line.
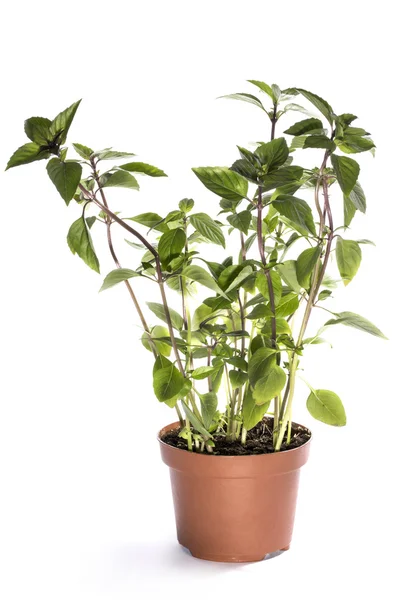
x=234 y=508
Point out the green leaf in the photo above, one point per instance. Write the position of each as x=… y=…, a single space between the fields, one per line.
x=245 y=169
x=237 y=379
x=122 y=179
x=305 y=265
x=246 y=98
x=297 y=142
x=296 y=108
x=261 y=311
x=80 y=243
x=26 y=154
x=83 y=151
x=201 y=313
x=290 y=177
x=109 y=154
x=159 y=311
x=203 y=372
x=364 y=241
x=227 y=275
x=351 y=319
x=287 y=306
x=319 y=141
x=282 y=326
x=304 y=126
x=276 y=91
x=140 y=167
x=349 y=210
x=260 y=341
x=264 y=87
x=262 y=285
x=238 y=362
x=252 y=412
x=60 y=125
x=209 y=404
x=355 y=131
x=327 y=407
x=296 y=210
x=357 y=197
x=348 y=258
x=322 y=105
x=65 y=176
x=167 y=382
x=116 y=276
x=186 y=205
x=315 y=341
x=240 y=221
x=240 y=277
x=353 y=144
x=171 y=245
x=287 y=270
x=216 y=379
x=150 y=340
x=91 y=221
x=324 y=295
x=223 y=182
x=238 y=334
x=260 y=364
x=149 y=219
x=200 y=275
x=248 y=156
x=347 y=118
x=329 y=282
x=216 y=303
x=37 y=129
x=273 y=154
x=208 y=228
x=269 y=386
x=249 y=242
x=197 y=425
x=347 y=171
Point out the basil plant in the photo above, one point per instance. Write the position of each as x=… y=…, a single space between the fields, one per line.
x=247 y=337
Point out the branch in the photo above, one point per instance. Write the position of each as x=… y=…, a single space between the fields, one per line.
x=261 y=249
x=158 y=270
x=273 y=121
x=118 y=265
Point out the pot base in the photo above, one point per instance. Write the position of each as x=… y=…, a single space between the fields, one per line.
x=240 y=558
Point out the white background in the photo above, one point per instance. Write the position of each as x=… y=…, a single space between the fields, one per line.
x=85 y=507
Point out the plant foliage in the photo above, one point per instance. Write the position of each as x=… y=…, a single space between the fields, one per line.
x=249 y=330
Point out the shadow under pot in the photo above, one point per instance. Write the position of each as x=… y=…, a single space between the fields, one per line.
x=234 y=508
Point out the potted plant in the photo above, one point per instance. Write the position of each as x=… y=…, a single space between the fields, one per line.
x=234 y=465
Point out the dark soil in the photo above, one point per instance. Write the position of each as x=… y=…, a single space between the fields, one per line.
x=259 y=440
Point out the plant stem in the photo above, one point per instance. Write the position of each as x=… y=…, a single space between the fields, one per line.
x=276 y=420
x=189 y=432
x=243 y=325
x=231 y=413
x=189 y=360
x=273 y=121
x=209 y=381
x=288 y=411
x=243 y=436
x=118 y=265
x=261 y=248
x=317 y=277
x=160 y=281
x=242 y=246
x=168 y=315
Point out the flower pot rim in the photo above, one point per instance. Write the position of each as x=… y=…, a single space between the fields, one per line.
x=176 y=424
